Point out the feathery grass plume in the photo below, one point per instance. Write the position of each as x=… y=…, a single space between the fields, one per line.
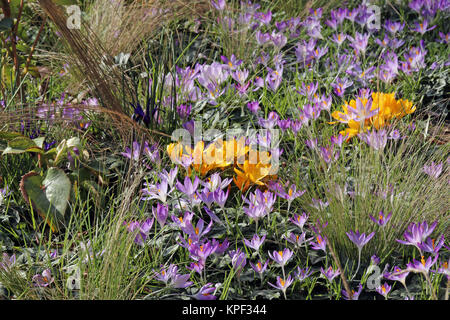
x=122 y=25
x=89 y=57
x=93 y=47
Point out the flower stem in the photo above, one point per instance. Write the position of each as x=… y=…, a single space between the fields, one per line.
x=433 y=294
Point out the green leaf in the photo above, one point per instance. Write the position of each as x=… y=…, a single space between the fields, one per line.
x=5 y=135
x=49 y=196
x=39 y=142
x=22 y=145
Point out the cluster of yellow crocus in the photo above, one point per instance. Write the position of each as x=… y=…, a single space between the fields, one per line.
x=251 y=166
x=388 y=108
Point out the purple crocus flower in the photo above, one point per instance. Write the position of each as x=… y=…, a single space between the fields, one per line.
x=422 y=27
x=382 y=218
x=261 y=37
x=434 y=170
x=259 y=267
x=302 y=274
x=218 y=4
x=182 y=220
x=270 y=122
x=142 y=229
x=352 y=14
x=197 y=232
x=431 y=246
x=206 y=196
x=263 y=17
x=255 y=243
x=299 y=220
x=417 y=233
x=172 y=278
x=215 y=182
x=188 y=187
x=339 y=38
x=220 y=247
x=297 y=240
x=220 y=197
x=232 y=63
x=311 y=143
x=383 y=43
x=375 y=139
x=292 y=193
x=255 y=212
x=397 y=275
x=281 y=257
x=282 y=284
x=444 y=38
x=200 y=252
x=328 y=154
x=169 y=176
x=393 y=27
x=339 y=14
x=444 y=269
x=321 y=243
x=238 y=260
x=332 y=23
x=159 y=191
x=284 y=124
x=359 y=42
x=339 y=140
x=274 y=78
x=423 y=265
x=253 y=106
x=161 y=212
x=362 y=111
x=311 y=112
x=340 y=85
x=374 y=260
x=360 y=240
x=384 y=289
x=43 y=280
x=355 y=295
x=308 y=90
x=278 y=39
x=205 y=292
x=330 y=274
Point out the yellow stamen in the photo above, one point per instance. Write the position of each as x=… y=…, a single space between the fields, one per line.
x=423 y=260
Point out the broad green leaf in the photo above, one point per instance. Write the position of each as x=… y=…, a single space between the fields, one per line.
x=74 y=143
x=39 y=142
x=49 y=195
x=5 y=135
x=21 y=145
